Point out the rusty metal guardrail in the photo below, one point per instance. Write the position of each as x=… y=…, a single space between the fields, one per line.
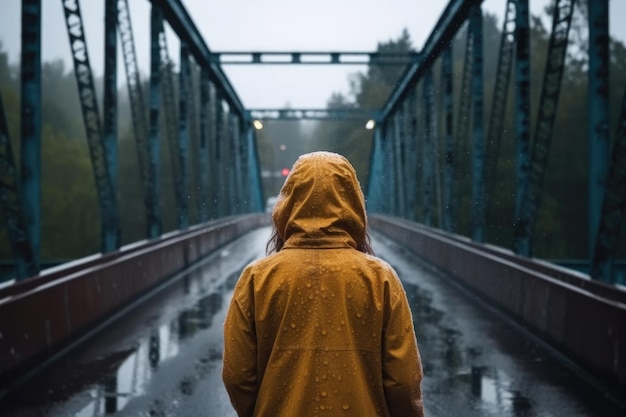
x=583 y=320
x=42 y=314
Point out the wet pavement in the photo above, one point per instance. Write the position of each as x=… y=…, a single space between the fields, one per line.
x=164 y=357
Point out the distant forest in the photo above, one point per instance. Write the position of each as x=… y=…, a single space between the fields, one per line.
x=70 y=217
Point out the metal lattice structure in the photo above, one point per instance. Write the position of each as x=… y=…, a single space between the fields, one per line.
x=548 y=104
x=436 y=158
x=499 y=102
x=10 y=202
x=135 y=95
x=101 y=155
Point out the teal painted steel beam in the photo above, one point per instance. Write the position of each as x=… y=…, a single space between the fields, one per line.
x=255 y=171
x=135 y=97
x=499 y=102
x=218 y=162
x=548 y=105
x=613 y=208
x=180 y=21
x=312 y=114
x=452 y=18
x=184 y=102
x=449 y=197
x=203 y=148
x=109 y=119
x=522 y=107
x=398 y=141
x=463 y=153
x=172 y=132
x=12 y=207
x=312 y=58
x=428 y=149
x=478 y=138
x=411 y=156
x=154 y=224
x=103 y=156
x=598 y=105
x=30 y=124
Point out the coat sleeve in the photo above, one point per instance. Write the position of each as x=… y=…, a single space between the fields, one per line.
x=402 y=368
x=240 y=350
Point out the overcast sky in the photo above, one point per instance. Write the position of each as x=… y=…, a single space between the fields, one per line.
x=268 y=25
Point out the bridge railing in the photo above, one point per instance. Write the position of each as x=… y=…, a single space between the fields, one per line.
x=44 y=317
x=579 y=321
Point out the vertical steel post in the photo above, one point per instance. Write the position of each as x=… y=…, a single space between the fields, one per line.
x=398 y=140
x=522 y=108
x=109 y=121
x=411 y=156
x=548 y=105
x=203 y=152
x=613 y=207
x=449 y=214
x=225 y=152
x=184 y=78
x=393 y=163
x=238 y=170
x=99 y=152
x=231 y=180
x=478 y=186
x=255 y=169
x=154 y=174
x=218 y=163
x=12 y=208
x=428 y=153
x=30 y=123
x=212 y=152
x=245 y=186
x=599 y=137
x=386 y=177
x=373 y=179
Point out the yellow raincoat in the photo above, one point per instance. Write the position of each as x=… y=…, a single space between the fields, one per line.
x=320 y=328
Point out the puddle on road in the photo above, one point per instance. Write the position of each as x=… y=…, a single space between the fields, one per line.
x=128 y=374
x=457 y=368
x=135 y=372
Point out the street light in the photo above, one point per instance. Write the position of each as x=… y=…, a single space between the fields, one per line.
x=370 y=124
x=257 y=124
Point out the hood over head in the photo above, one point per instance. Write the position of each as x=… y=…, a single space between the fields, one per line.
x=321 y=204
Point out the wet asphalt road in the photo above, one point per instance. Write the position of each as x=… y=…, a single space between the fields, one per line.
x=164 y=357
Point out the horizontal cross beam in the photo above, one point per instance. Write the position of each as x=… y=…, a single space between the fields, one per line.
x=312 y=114
x=312 y=58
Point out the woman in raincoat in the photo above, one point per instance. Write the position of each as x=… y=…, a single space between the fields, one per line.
x=321 y=326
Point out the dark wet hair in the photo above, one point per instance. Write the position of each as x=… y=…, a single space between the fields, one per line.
x=276 y=243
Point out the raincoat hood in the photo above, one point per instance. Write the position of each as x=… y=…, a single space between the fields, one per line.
x=321 y=204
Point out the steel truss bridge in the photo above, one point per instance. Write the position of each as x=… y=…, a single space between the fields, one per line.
x=423 y=144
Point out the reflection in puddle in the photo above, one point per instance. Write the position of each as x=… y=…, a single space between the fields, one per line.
x=132 y=376
x=492 y=387
x=458 y=367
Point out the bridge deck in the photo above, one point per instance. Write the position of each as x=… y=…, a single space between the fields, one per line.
x=164 y=357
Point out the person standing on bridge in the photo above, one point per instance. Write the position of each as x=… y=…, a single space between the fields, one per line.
x=321 y=326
